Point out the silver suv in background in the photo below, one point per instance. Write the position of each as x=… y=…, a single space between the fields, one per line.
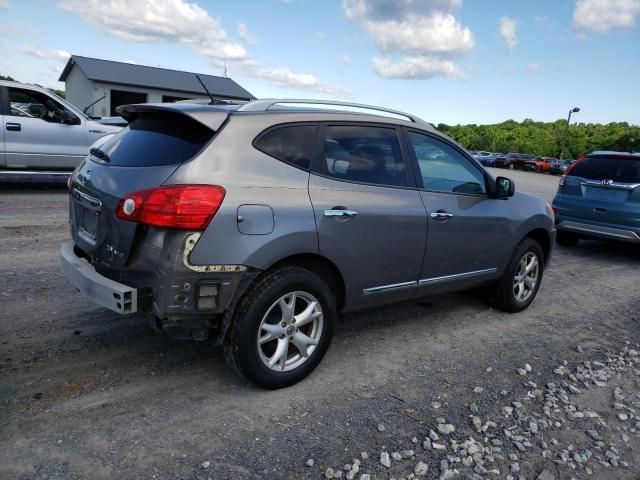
x=42 y=132
x=260 y=223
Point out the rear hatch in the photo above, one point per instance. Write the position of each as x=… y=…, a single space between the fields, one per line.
x=141 y=156
x=603 y=188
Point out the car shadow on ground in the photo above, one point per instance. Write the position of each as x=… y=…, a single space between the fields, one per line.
x=103 y=349
x=598 y=249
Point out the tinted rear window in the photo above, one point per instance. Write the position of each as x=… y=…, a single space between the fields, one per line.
x=157 y=139
x=608 y=168
x=292 y=144
x=364 y=154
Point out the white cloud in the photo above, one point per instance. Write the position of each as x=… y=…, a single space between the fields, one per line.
x=437 y=34
x=346 y=59
x=602 y=16
x=34 y=51
x=285 y=78
x=533 y=67
x=418 y=38
x=418 y=68
x=244 y=35
x=186 y=23
x=154 y=20
x=509 y=31
x=131 y=62
x=4 y=4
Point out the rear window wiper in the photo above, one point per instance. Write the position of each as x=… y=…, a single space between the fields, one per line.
x=96 y=152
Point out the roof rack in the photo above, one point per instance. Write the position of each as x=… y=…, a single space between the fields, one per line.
x=263 y=105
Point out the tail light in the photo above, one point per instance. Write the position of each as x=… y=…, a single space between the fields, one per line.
x=71 y=178
x=569 y=168
x=189 y=207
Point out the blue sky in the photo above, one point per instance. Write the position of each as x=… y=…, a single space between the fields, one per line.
x=449 y=61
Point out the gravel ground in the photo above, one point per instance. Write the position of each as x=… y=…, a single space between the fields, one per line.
x=442 y=388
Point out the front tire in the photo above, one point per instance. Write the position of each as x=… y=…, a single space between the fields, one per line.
x=519 y=284
x=282 y=328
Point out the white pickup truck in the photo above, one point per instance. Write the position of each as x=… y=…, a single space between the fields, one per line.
x=42 y=134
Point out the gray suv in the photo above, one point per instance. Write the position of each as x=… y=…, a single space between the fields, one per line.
x=259 y=223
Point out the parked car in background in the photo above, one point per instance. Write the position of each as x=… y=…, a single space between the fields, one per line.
x=42 y=132
x=541 y=164
x=599 y=197
x=560 y=166
x=522 y=161
x=513 y=161
x=503 y=161
x=246 y=222
x=485 y=158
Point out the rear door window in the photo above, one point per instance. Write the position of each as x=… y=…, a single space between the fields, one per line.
x=364 y=154
x=621 y=170
x=291 y=144
x=155 y=139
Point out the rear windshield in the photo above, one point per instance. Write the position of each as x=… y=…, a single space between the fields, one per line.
x=157 y=139
x=621 y=170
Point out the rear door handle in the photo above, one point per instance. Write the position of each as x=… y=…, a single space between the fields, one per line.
x=340 y=213
x=14 y=127
x=441 y=215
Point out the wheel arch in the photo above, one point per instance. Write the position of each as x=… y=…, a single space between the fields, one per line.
x=543 y=237
x=322 y=267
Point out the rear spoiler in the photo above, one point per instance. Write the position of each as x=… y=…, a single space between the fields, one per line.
x=209 y=116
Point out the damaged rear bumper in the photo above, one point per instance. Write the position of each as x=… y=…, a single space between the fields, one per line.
x=182 y=299
x=101 y=290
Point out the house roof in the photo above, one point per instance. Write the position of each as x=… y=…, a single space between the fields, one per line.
x=152 y=77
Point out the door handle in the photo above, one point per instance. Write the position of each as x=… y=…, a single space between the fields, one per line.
x=340 y=213
x=441 y=215
x=14 y=127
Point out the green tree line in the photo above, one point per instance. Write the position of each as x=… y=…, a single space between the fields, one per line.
x=545 y=138
x=60 y=93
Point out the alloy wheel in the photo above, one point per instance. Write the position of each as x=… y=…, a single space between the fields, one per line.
x=526 y=277
x=290 y=331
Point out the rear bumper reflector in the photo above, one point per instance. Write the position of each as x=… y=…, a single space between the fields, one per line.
x=101 y=290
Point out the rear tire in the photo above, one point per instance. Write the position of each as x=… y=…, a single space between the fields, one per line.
x=519 y=284
x=271 y=341
x=567 y=239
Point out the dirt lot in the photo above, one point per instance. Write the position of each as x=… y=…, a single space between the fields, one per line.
x=85 y=393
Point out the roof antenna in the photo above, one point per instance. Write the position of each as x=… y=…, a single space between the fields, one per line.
x=213 y=100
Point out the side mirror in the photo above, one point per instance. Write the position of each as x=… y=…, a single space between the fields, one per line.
x=69 y=118
x=505 y=187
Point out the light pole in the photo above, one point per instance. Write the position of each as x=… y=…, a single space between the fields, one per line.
x=566 y=131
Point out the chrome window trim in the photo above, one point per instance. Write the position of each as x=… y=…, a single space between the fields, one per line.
x=602 y=183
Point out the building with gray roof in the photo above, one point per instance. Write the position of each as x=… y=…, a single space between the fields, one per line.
x=107 y=84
